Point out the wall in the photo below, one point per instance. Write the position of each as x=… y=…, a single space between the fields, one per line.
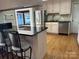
x=75 y=0
x=75 y=17
x=1 y=18
x=6 y=17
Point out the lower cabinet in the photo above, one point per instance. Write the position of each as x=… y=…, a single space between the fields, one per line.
x=55 y=27
x=52 y=27
x=49 y=25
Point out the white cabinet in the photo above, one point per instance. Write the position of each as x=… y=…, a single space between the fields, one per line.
x=65 y=6
x=52 y=6
x=49 y=6
x=58 y=6
x=52 y=27
x=49 y=25
x=44 y=7
x=55 y=27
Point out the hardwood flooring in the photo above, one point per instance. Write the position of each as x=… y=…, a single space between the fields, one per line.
x=62 y=47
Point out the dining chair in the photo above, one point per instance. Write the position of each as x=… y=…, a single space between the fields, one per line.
x=19 y=47
x=3 y=47
x=7 y=41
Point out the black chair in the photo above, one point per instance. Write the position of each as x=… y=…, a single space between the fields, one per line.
x=3 y=47
x=18 y=46
x=5 y=26
x=7 y=40
x=4 y=38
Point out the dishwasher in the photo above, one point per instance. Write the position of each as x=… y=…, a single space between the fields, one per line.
x=64 y=27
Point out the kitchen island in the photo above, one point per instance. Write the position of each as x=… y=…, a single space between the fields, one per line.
x=38 y=43
x=31 y=28
x=78 y=37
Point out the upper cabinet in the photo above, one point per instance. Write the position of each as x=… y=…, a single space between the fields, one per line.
x=44 y=7
x=65 y=6
x=52 y=6
x=58 y=6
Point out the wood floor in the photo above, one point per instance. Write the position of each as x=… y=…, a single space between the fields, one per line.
x=62 y=47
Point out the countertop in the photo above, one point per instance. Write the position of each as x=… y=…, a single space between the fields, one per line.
x=57 y=21
x=36 y=33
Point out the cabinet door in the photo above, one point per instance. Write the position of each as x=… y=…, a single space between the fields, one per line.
x=50 y=6
x=65 y=6
x=44 y=7
x=56 y=6
x=49 y=25
x=55 y=27
x=52 y=27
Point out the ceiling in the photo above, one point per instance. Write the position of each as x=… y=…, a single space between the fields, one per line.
x=6 y=4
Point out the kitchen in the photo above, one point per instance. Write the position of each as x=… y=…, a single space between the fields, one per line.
x=31 y=28
x=59 y=17
x=62 y=18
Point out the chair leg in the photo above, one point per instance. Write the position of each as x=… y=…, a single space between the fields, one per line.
x=12 y=54
x=7 y=53
x=22 y=55
x=30 y=52
x=17 y=55
x=2 y=53
x=2 y=56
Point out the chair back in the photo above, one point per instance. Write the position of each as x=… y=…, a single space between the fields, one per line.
x=2 y=40
x=15 y=39
x=6 y=38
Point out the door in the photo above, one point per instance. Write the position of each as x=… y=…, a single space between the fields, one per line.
x=75 y=22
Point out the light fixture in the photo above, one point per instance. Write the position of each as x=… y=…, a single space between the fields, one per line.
x=44 y=0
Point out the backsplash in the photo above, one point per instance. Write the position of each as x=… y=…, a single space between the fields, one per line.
x=58 y=17
x=65 y=18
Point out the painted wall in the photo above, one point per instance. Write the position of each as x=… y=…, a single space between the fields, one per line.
x=75 y=17
x=1 y=18
x=75 y=0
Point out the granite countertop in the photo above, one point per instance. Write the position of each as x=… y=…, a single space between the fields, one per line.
x=36 y=33
x=57 y=21
x=30 y=35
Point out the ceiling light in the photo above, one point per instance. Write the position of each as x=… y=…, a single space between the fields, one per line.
x=44 y=0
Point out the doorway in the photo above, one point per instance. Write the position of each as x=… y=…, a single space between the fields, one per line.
x=75 y=17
